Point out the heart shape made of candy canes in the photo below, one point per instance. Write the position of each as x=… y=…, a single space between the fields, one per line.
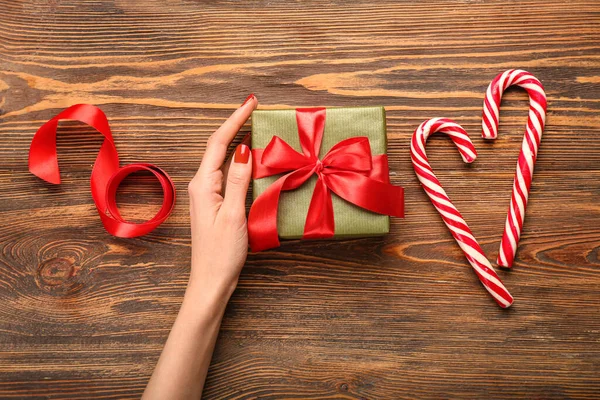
x=521 y=184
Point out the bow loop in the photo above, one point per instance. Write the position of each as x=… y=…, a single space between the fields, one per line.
x=352 y=154
x=279 y=154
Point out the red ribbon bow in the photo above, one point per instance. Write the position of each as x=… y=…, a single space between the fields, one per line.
x=106 y=174
x=348 y=170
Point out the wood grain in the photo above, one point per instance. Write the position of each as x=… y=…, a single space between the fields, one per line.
x=85 y=315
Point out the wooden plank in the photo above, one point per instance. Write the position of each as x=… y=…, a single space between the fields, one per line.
x=85 y=315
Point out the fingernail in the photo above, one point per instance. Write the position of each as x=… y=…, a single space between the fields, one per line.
x=242 y=153
x=248 y=99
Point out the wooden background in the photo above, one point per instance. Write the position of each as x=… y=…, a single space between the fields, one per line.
x=85 y=315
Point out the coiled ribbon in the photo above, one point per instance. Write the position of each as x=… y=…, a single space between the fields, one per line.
x=106 y=173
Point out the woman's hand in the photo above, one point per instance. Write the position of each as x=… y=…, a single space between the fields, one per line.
x=219 y=248
x=217 y=207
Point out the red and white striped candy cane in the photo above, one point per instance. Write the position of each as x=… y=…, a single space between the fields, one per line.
x=529 y=149
x=454 y=221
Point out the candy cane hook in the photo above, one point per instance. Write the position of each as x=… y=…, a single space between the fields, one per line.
x=452 y=218
x=531 y=142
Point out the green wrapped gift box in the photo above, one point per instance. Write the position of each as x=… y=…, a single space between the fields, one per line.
x=340 y=124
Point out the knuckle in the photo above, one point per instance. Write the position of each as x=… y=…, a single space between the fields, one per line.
x=236 y=177
x=230 y=214
x=214 y=181
x=212 y=140
x=193 y=187
x=203 y=182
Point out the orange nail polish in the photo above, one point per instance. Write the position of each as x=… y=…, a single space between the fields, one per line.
x=248 y=99
x=242 y=153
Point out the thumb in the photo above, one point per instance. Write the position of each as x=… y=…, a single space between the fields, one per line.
x=238 y=179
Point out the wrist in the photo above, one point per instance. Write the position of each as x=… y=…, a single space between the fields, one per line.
x=208 y=292
x=212 y=279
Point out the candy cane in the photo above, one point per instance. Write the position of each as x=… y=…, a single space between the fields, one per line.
x=452 y=218
x=527 y=156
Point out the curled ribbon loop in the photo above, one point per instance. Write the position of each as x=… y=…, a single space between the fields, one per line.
x=348 y=170
x=106 y=173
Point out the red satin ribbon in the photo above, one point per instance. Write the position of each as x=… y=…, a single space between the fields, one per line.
x=106 y=174
x=348 y=170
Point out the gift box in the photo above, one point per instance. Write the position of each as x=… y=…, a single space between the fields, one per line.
x=331 y=160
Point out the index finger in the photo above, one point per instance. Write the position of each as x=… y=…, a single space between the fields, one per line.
x=218 y=142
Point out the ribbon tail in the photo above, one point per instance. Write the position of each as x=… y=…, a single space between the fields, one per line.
x=370 y=194
x=381 y=170
x=43 y=161
x=320 y=223
x=262 y=219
